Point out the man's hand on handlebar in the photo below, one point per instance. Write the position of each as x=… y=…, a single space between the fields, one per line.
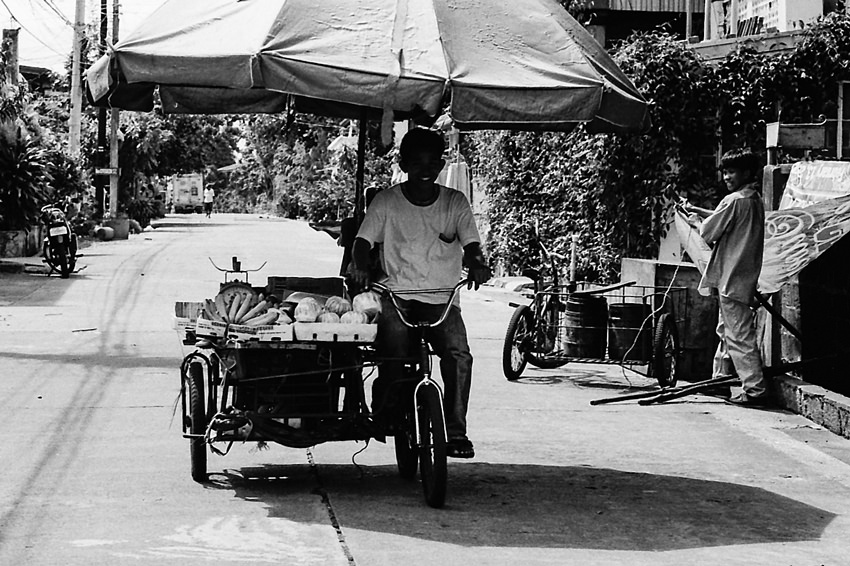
x=479 y=271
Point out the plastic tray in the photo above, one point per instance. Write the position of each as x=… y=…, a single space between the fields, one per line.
x=334 y=332
x=210 y=328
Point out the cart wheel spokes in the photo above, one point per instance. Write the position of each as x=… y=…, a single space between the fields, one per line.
x=197 y=421
x=517 y=340
x=665 y=351
x=432 y=448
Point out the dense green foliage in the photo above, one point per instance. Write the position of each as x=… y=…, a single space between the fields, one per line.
x=34 y=168
x=288 y=169
x=613 y=191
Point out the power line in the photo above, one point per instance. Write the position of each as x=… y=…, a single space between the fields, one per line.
x=55 y=9
x=34 y=36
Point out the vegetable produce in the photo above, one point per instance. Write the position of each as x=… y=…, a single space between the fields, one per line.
x=267 y=318
x=354 y=317
x=247 y=300
x=328 y=317
x=210 y=311
x=307 y=310
x=259 y=308
x=338 y=305
x=242 y=306
x=234 y=307
x=368 y=303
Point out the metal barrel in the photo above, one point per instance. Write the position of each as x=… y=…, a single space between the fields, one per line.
x=585 y=325
x=627 y=341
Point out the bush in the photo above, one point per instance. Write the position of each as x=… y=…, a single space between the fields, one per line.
x=24 y=180
x=141 y=210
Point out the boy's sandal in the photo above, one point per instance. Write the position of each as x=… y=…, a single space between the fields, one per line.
x=460 y=448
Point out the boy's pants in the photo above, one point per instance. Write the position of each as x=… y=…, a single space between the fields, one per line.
x=448 y=341
x=738 y=351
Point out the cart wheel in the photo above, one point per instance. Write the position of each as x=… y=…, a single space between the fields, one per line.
x=665 y=351
x=197 y=421
x=546 y=361
x=405 y=447
x=547 y=329
x=517 y=338
x=432 y=448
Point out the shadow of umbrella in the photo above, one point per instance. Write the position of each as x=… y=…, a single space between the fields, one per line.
x=502 y=505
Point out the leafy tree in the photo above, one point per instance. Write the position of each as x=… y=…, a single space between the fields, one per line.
x=24 y=183
x=611 y=191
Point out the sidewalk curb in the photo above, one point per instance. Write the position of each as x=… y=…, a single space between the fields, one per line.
x=821 y=406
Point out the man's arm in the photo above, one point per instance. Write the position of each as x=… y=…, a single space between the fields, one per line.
x=474 y=259
x=359 y=268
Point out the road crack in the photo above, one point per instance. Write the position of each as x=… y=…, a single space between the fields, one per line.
x=323 y=493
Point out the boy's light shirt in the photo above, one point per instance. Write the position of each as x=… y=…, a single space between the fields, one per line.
x=736 y=232
x=415 y=256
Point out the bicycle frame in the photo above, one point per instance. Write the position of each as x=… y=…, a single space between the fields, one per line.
x=424 y=352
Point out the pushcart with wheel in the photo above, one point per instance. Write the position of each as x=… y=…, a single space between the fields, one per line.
x=631 y=325
x=307 y=388
x=625 y=324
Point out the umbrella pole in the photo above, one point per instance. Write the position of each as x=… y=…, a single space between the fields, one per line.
x=359 y=208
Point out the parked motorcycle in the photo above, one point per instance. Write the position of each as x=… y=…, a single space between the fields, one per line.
x=60 y=243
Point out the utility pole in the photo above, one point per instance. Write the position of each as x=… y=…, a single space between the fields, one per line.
x=76 y=85
x=100 y=157
x=10 y=41
x=113 y=132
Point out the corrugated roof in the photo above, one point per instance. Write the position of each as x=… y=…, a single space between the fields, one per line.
x=697 y=6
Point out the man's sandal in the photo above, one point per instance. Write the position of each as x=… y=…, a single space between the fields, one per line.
x=460 y=448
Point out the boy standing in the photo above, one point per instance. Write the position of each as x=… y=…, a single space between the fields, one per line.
x=426 y=231
x=735 y=230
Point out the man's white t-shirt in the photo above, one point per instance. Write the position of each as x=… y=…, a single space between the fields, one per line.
x=422 y=245
x=209 y=195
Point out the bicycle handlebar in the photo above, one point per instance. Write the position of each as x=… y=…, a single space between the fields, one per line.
x=393 y=295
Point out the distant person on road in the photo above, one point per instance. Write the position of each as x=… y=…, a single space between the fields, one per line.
x=209 y=198
x=735 y=230
x=427 y=231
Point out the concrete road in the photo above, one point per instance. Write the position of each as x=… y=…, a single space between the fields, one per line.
x=96 y=471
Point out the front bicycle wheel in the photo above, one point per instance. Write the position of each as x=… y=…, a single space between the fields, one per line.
x=432 y=446
x=545 y=355
x=517 y=339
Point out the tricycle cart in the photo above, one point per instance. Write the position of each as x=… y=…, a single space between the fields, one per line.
x=629 y=325
x=303 y=385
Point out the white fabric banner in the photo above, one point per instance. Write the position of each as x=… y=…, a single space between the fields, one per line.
x=793 y=238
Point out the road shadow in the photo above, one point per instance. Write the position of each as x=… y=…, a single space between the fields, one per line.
x=97 y=360
x=587 y=375
x=504 y=505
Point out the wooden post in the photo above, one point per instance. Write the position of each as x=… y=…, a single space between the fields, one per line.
x=113 y=131
x=74 y=123
x=10 y=41
x=689 y=19
x=101 y=155
x=840 y=124
x=359 y=185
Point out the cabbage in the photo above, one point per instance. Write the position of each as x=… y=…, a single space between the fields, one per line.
x=328 y=317
x=337 y=305
x=354 y=317
x=307 y=310
x=368 y=303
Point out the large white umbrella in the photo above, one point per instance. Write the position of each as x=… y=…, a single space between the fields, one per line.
x=521 y=64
